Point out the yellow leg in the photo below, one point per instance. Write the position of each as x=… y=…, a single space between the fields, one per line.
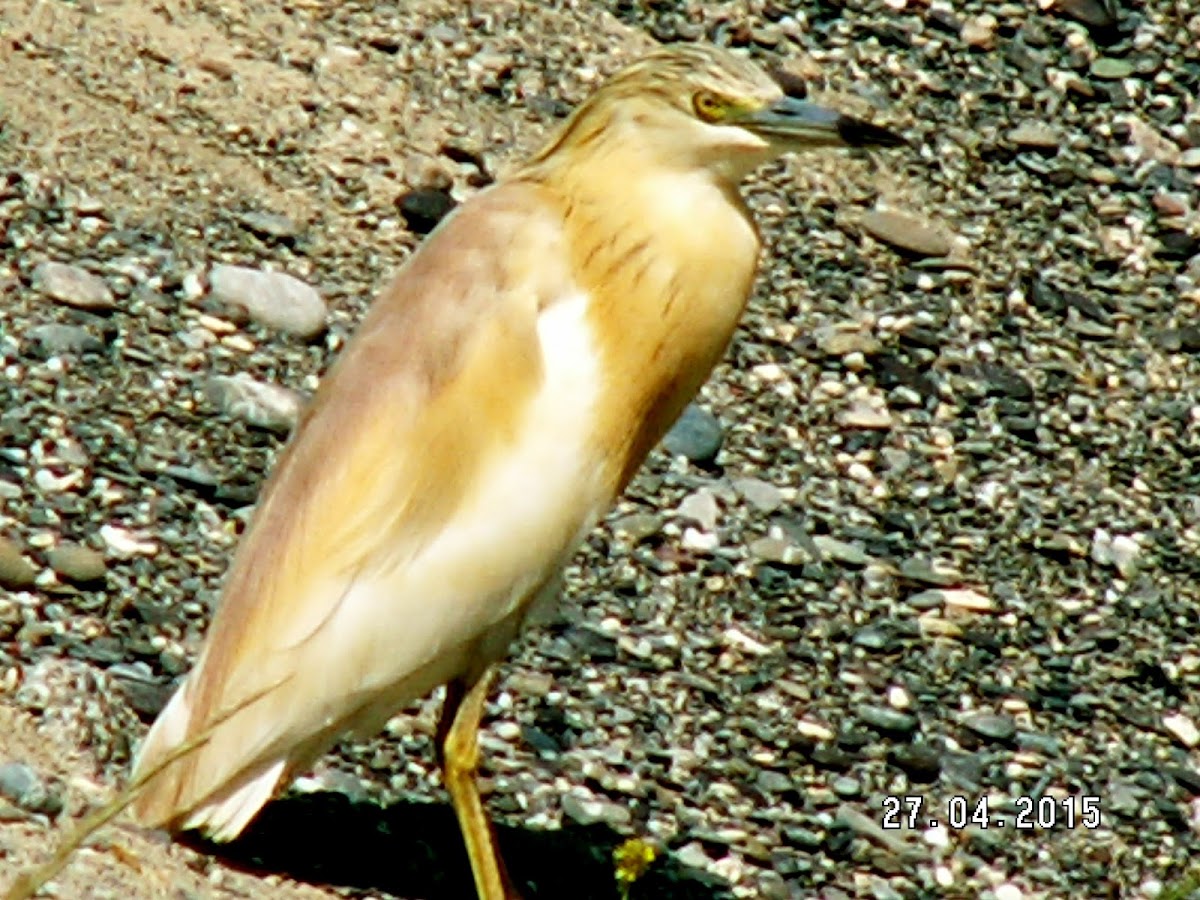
x=458 y=733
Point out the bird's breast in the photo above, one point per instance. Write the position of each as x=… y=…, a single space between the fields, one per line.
x=667 y=280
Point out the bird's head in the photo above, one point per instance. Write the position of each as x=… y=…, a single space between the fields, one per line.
x=696 y=105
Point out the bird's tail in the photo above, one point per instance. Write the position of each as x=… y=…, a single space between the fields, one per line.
x=187 y=786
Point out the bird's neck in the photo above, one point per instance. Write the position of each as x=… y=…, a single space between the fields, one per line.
x=666 y=260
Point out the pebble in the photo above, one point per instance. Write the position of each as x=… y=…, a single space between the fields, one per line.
x=1039 y=135
x=928 y=572
x=980 y=31
x=867 y=416
x=258 y=403
x=424 y=208
x=839 y=340
x=1119 y=551
x=125 y=544
x=591 y=811
x=1183 y=729
x=1106 y=68
x=847 y=787
x=907 y=231
x=20 y=784
x=54 y=339
x=73 y=286
x=697 y=435
x=693 y=856
x=890 y=720
x=779 y=550
x=763 y=496
x=961 y=598
x=273 y=299
x=268 y=224
x=77 y=563
x=700 y=507
x=637 y=527
x=991 y=726
x=16 y=572
x=921 y=762
x=840 y=551
x=772 y=782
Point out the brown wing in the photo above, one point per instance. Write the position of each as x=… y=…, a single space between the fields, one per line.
x=431 y=388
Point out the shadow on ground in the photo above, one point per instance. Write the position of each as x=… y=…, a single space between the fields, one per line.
x=414 y=851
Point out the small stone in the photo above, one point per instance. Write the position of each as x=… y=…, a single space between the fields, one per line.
x=23 y=786
x=1182 y=729
x=1190 y=158
x=867 y=416
x=991 y=726
x=907 y=231
x=843 y=340
x=73 y=286
x=962 y=598
x=273 y=299
x=1095 y=14
x=980 y=31
x=424 y=208
x=701 y=508
x=590 y=811
x=257 y=403
x=638 y=527
x=268 y=224
x=889 y=720
x=779 y=550
x=697 y=436
x=1107 y=68
x=764 y=497
x=929 y=572
x=921 y=762
x=1038 y=135
x=692 y=856
x=846 y=787
x=78 y=564
x=16 y=572
x=770 y=782
x=125 y=544
x=54 y=339
x=840 y=551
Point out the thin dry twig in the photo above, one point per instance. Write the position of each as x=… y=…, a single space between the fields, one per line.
x=30 y=881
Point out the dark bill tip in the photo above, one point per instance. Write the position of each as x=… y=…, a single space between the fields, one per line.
x=857 y=133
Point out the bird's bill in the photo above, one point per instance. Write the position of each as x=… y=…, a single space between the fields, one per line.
x=803 y=124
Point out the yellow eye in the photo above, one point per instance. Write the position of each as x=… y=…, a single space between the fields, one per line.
x=708 y=106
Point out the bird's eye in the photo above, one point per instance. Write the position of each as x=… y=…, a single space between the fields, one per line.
x=708 y=106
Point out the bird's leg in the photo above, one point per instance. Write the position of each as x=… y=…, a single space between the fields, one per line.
x=458 y=744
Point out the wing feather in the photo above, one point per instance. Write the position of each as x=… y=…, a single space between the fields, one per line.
x=350 y=592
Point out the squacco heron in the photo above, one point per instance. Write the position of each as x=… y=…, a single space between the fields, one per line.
x=492 y=405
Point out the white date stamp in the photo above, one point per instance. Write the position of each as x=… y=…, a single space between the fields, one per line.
x=1021 y=813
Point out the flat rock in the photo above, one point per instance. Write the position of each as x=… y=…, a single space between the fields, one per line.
x=16 y=572
x=77 y=564
x=257 y=403
x=73 y=286
x=763 y=496
x=273 y=299
x=1039 y=135
x=907 y=231
x=55 y=339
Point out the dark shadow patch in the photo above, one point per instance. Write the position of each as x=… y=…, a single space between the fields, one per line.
x=414 y=850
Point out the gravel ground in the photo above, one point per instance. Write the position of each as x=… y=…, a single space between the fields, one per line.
x=930 y=532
